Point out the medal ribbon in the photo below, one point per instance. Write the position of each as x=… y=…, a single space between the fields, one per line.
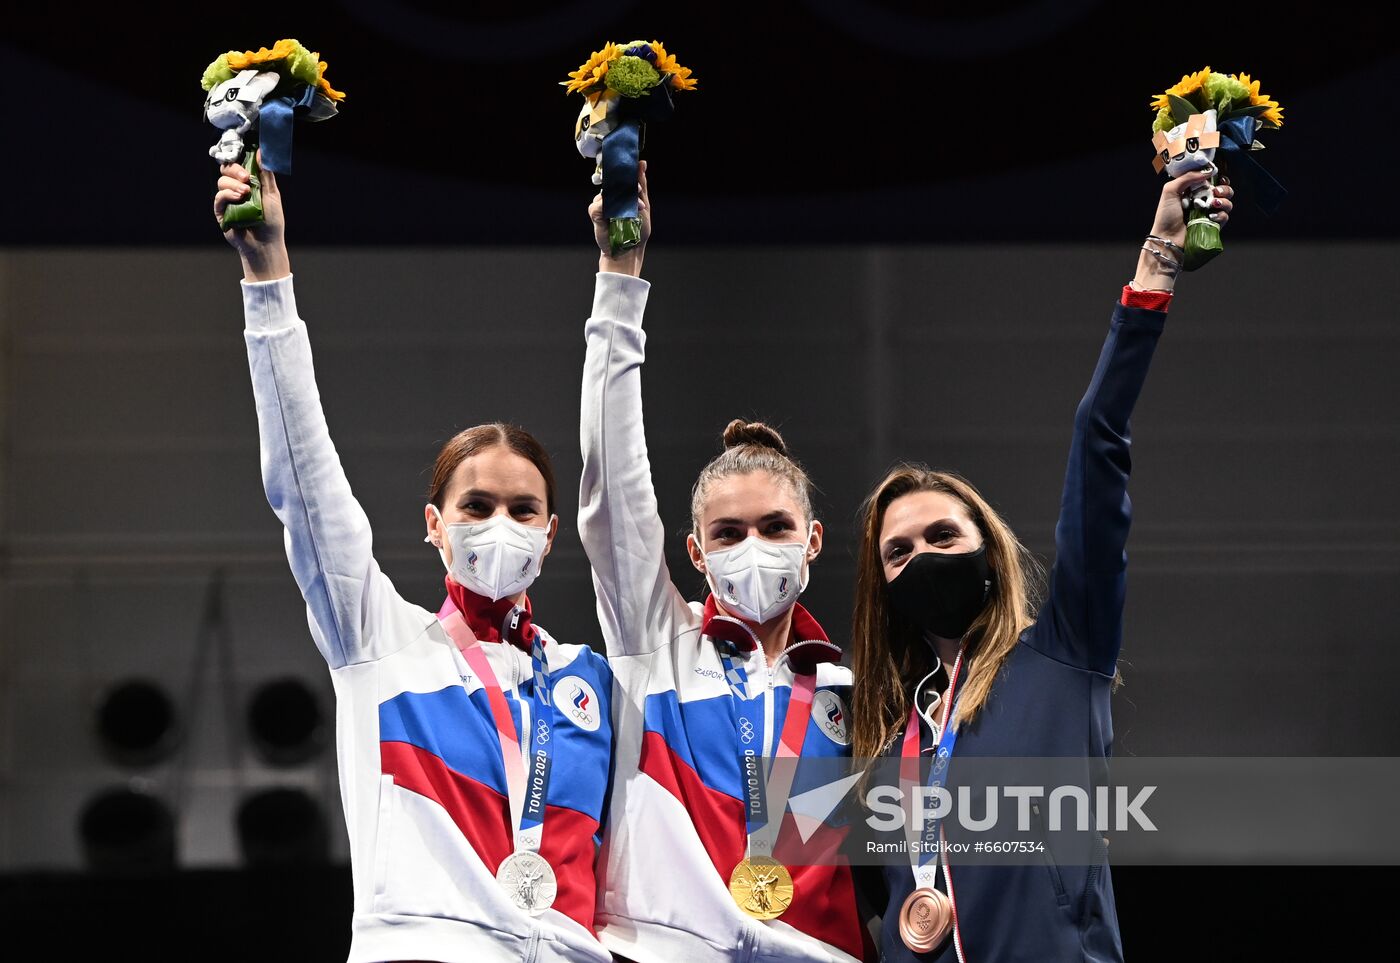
x=759 y=787
x=923 y=846
x=526 y=791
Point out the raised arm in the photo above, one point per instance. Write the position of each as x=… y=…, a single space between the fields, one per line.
x=327 y=533
x=1081 y=622
x=618 y=521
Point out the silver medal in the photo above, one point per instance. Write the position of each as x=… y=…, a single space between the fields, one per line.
x=528 y=880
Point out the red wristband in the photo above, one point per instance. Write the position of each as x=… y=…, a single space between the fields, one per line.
x=1153 y=300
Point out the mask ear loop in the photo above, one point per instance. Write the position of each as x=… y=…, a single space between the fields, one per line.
x=441 y=549
x=704 y=557
x=544 y=543
x=807 y=562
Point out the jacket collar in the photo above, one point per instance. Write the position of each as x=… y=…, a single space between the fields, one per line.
x=496 y=621
x=811 y=648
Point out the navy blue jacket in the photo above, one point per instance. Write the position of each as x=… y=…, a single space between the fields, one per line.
x=1052 y=696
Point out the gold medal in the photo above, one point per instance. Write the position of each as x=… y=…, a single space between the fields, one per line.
x=762 y=887
x=925 y=919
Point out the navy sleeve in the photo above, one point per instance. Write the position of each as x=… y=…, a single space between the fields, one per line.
x=1081 y=622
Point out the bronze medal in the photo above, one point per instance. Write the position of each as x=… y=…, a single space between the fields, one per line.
x=762 y=887
x=925 y=919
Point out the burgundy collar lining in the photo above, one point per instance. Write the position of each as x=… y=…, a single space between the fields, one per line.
x=739 y=633
x=487 y=618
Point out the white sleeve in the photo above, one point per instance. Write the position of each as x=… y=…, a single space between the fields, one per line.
x=354 y=612
x=638 y=606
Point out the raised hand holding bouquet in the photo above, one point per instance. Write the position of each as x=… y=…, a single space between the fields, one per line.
x=624 y=86
x=1209 y=121
x=253 y=96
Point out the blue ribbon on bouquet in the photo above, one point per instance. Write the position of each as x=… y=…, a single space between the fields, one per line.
x=275 y=128
x=1236 y=136
x=623 y=147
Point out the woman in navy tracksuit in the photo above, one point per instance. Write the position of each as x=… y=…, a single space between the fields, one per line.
x=942 y=594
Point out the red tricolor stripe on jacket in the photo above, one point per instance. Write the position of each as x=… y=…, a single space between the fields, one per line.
x=482 y=814
x=823 y=890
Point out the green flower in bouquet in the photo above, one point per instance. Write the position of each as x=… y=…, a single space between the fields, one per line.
x=288 y=57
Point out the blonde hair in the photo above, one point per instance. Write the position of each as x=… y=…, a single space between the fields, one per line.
x=748 y=447
x=889 y=655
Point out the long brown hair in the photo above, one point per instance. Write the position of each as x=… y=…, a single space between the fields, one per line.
x=464 y=444
x=889 y=653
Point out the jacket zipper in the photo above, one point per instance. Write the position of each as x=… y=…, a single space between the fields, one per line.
x=797 y=645
x=1060 y=896
x=1100 y=858
x=509 y=623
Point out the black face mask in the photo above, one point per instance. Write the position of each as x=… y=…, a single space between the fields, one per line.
x=942 y=594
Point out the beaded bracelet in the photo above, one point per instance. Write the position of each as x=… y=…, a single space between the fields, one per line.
x=1170 y=244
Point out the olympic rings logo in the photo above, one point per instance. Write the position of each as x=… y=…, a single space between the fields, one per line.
x=542 y=732
x=746 y=730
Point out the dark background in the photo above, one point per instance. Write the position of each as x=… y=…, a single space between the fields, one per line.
x=861 y=237
x=819 y=121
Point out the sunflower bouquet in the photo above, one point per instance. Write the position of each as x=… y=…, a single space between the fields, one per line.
x=1209 y=120
x=624 y=86
x=253 y=96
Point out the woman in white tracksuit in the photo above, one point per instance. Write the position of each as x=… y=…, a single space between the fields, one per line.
x=691 y=869
x=473 y=748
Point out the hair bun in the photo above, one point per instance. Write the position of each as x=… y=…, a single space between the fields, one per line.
x=739 y=432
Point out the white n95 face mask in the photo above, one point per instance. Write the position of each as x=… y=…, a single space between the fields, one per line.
x=758 y=579
x=494 y=558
